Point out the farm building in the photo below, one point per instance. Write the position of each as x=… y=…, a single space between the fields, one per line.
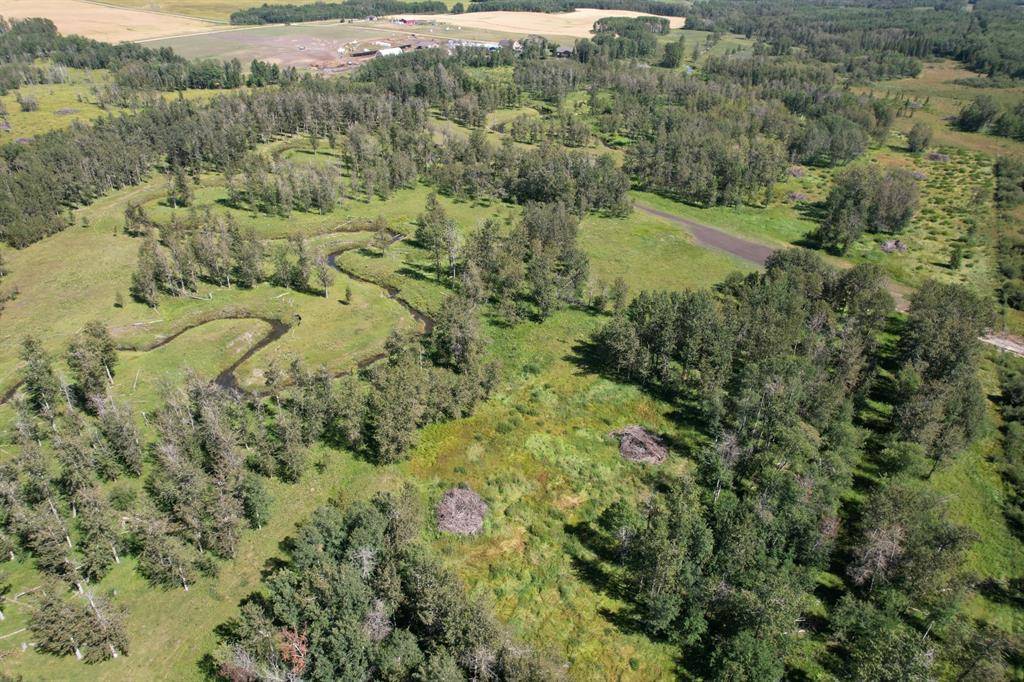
x=388 y=52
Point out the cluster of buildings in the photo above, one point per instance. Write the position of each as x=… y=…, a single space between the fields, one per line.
x=389 y=48
x=451 y=44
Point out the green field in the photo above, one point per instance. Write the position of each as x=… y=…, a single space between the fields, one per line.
x=79 y=98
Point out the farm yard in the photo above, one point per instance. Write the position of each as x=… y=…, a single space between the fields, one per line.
x=317 y=44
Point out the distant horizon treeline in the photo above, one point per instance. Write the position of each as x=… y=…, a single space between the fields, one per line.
x=319 y=11
x=24 y=41
x=359 y=9
x=987 y=40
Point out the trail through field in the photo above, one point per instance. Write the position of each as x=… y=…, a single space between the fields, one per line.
x=755 y=252
x=714 y=238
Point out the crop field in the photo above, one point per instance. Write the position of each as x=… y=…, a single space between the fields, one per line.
x=575 y=24
x=104 y=22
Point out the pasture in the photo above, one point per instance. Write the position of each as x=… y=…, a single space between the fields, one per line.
x=539 y=449
x=82 y=97
x=935 y=89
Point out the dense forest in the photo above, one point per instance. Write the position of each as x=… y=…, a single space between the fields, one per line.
x=777 y=367
x=862 y=38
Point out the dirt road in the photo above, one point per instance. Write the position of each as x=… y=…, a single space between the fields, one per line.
x=755 y=252
x=713 y=238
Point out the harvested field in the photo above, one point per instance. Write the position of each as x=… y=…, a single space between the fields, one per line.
x=576 y=24
x=103 y=22
x=461 y=511
x=637 y=444
x=309 y=45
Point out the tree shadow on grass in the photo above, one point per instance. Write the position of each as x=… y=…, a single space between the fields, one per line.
x=228 y=632
x=593 y=560
x=421 y=274
x=1009 y=592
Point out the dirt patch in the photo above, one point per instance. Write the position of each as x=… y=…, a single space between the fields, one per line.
x=637 y=444
x=103 y=22
x=576 y=24
x=894 y=246
x=461 y=511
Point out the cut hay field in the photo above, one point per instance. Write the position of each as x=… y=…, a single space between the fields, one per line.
x=576 y=24
x=104 y=22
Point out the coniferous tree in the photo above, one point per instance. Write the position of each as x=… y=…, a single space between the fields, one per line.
x=40 y=381
x=117 y=425
x=92 y=357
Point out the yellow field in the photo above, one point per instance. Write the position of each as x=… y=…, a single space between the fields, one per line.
x=576 y=24
x=103 y=22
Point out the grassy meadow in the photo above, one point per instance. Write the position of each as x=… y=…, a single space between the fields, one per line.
x=78 y=99
x=538 y=450
x=548 y=463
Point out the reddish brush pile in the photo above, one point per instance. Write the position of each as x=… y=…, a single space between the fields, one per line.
x=637 y=444
x=461 y=511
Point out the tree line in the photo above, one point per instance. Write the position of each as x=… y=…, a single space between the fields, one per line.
x=987 y=40
x=319 y=11
x=1009 y=193
x=133 y=65
x=775 y=366
x=362 y=598
x=984 y=113
x=657 y=7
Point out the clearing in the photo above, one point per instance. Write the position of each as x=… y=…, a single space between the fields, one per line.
x=319 y=44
